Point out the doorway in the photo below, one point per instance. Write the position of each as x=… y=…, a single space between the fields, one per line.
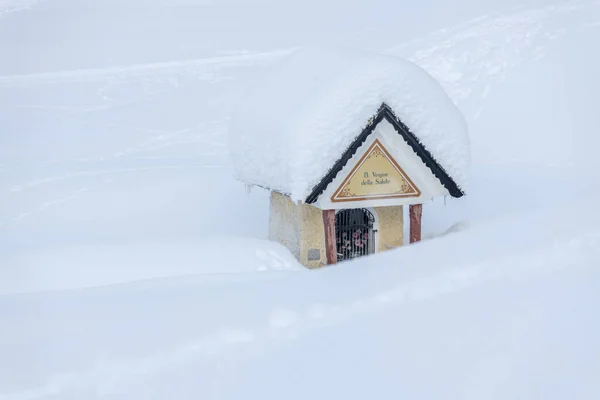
x=355 y=231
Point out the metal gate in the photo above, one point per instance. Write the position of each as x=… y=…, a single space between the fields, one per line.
x=354 y=233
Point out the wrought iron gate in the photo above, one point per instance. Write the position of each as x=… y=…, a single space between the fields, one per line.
x=355 y=233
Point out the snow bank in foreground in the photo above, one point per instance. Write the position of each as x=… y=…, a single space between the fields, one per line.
x=503 y=310
x=80 y=266
x=295 y=123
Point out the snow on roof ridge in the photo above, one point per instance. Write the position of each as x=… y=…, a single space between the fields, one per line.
x=295 y=122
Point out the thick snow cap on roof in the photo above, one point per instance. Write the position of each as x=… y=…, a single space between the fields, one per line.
x=293 y=124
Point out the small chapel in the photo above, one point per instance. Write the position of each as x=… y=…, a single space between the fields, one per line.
x=344 y=141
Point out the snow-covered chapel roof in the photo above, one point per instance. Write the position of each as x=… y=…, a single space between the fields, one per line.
x=295 y=123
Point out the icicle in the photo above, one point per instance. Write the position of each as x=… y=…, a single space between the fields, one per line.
x=248 y=190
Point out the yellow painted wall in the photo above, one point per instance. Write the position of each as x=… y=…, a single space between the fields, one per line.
x=391 y=227
x=312 y=232
x=284 y=222
x=299 y=227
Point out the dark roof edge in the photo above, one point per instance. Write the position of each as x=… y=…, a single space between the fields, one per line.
x=385 y=112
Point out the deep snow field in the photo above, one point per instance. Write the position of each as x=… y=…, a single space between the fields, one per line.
x=134 y=266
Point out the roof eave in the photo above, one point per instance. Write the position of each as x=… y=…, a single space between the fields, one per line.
x=385 y=112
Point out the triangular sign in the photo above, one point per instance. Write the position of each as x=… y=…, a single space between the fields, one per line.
x=375 y=176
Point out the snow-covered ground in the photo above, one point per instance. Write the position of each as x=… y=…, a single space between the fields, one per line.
x=460 y=317
x=128 y=252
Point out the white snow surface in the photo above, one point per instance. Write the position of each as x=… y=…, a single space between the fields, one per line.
x=117 y=262
x=294 y=123
x=129 y=254
x=461 y=317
